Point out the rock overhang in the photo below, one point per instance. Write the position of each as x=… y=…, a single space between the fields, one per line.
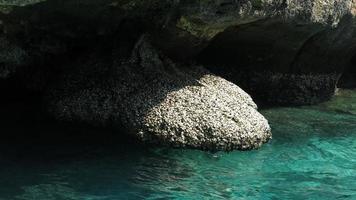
x=184 y=29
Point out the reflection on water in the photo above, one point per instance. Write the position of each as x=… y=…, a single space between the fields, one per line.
x=312 y=156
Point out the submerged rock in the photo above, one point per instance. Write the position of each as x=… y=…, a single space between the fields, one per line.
x=158 y=101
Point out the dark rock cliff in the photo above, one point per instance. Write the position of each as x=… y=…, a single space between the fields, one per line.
x=67 y=53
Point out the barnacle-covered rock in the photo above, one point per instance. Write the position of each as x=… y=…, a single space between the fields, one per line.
x=161 y=102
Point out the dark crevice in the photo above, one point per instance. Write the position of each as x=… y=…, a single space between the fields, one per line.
x=348 y=78
x=294 y=67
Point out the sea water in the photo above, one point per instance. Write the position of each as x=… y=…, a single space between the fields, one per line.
x=312 y=156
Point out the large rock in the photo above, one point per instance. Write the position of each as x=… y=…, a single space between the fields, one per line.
x=296 y=40
x=209 y=17
x=158 y=101
x=279 y=51
x=191 y=22
x=283 y=63
x=182 y=29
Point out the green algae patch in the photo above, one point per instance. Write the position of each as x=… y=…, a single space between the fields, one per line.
x=201 y=29
x=5 y=9
x=18 y=2
x=257 y=4
x=6 y=6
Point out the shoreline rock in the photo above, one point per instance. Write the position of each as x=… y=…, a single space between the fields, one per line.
x=271 y=88
x=285 y=52
x=160 y=102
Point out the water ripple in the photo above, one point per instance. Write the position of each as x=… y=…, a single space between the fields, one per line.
x=312 y=156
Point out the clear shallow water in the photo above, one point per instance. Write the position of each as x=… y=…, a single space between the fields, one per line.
x=312 y=156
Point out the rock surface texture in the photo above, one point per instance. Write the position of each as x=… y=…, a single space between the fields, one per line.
x=11 y=58
x=83 y=59
x=160 y=102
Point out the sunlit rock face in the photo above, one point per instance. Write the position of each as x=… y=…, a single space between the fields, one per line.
x=77 y=55
x=280 y=52
x=206 y=18
x=158 y=101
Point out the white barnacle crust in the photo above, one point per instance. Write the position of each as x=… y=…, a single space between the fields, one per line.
x=159 y=101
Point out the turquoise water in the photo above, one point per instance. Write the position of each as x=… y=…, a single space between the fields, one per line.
x=312 y=156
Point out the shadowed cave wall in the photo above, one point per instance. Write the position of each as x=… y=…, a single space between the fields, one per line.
x=281 y=53
x=348 y=78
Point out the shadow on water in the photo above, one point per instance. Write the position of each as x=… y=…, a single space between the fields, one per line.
x=41 y=159
x=340 y=109
x=312 y=155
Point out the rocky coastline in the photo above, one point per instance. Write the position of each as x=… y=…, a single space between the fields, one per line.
x=175 y=72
